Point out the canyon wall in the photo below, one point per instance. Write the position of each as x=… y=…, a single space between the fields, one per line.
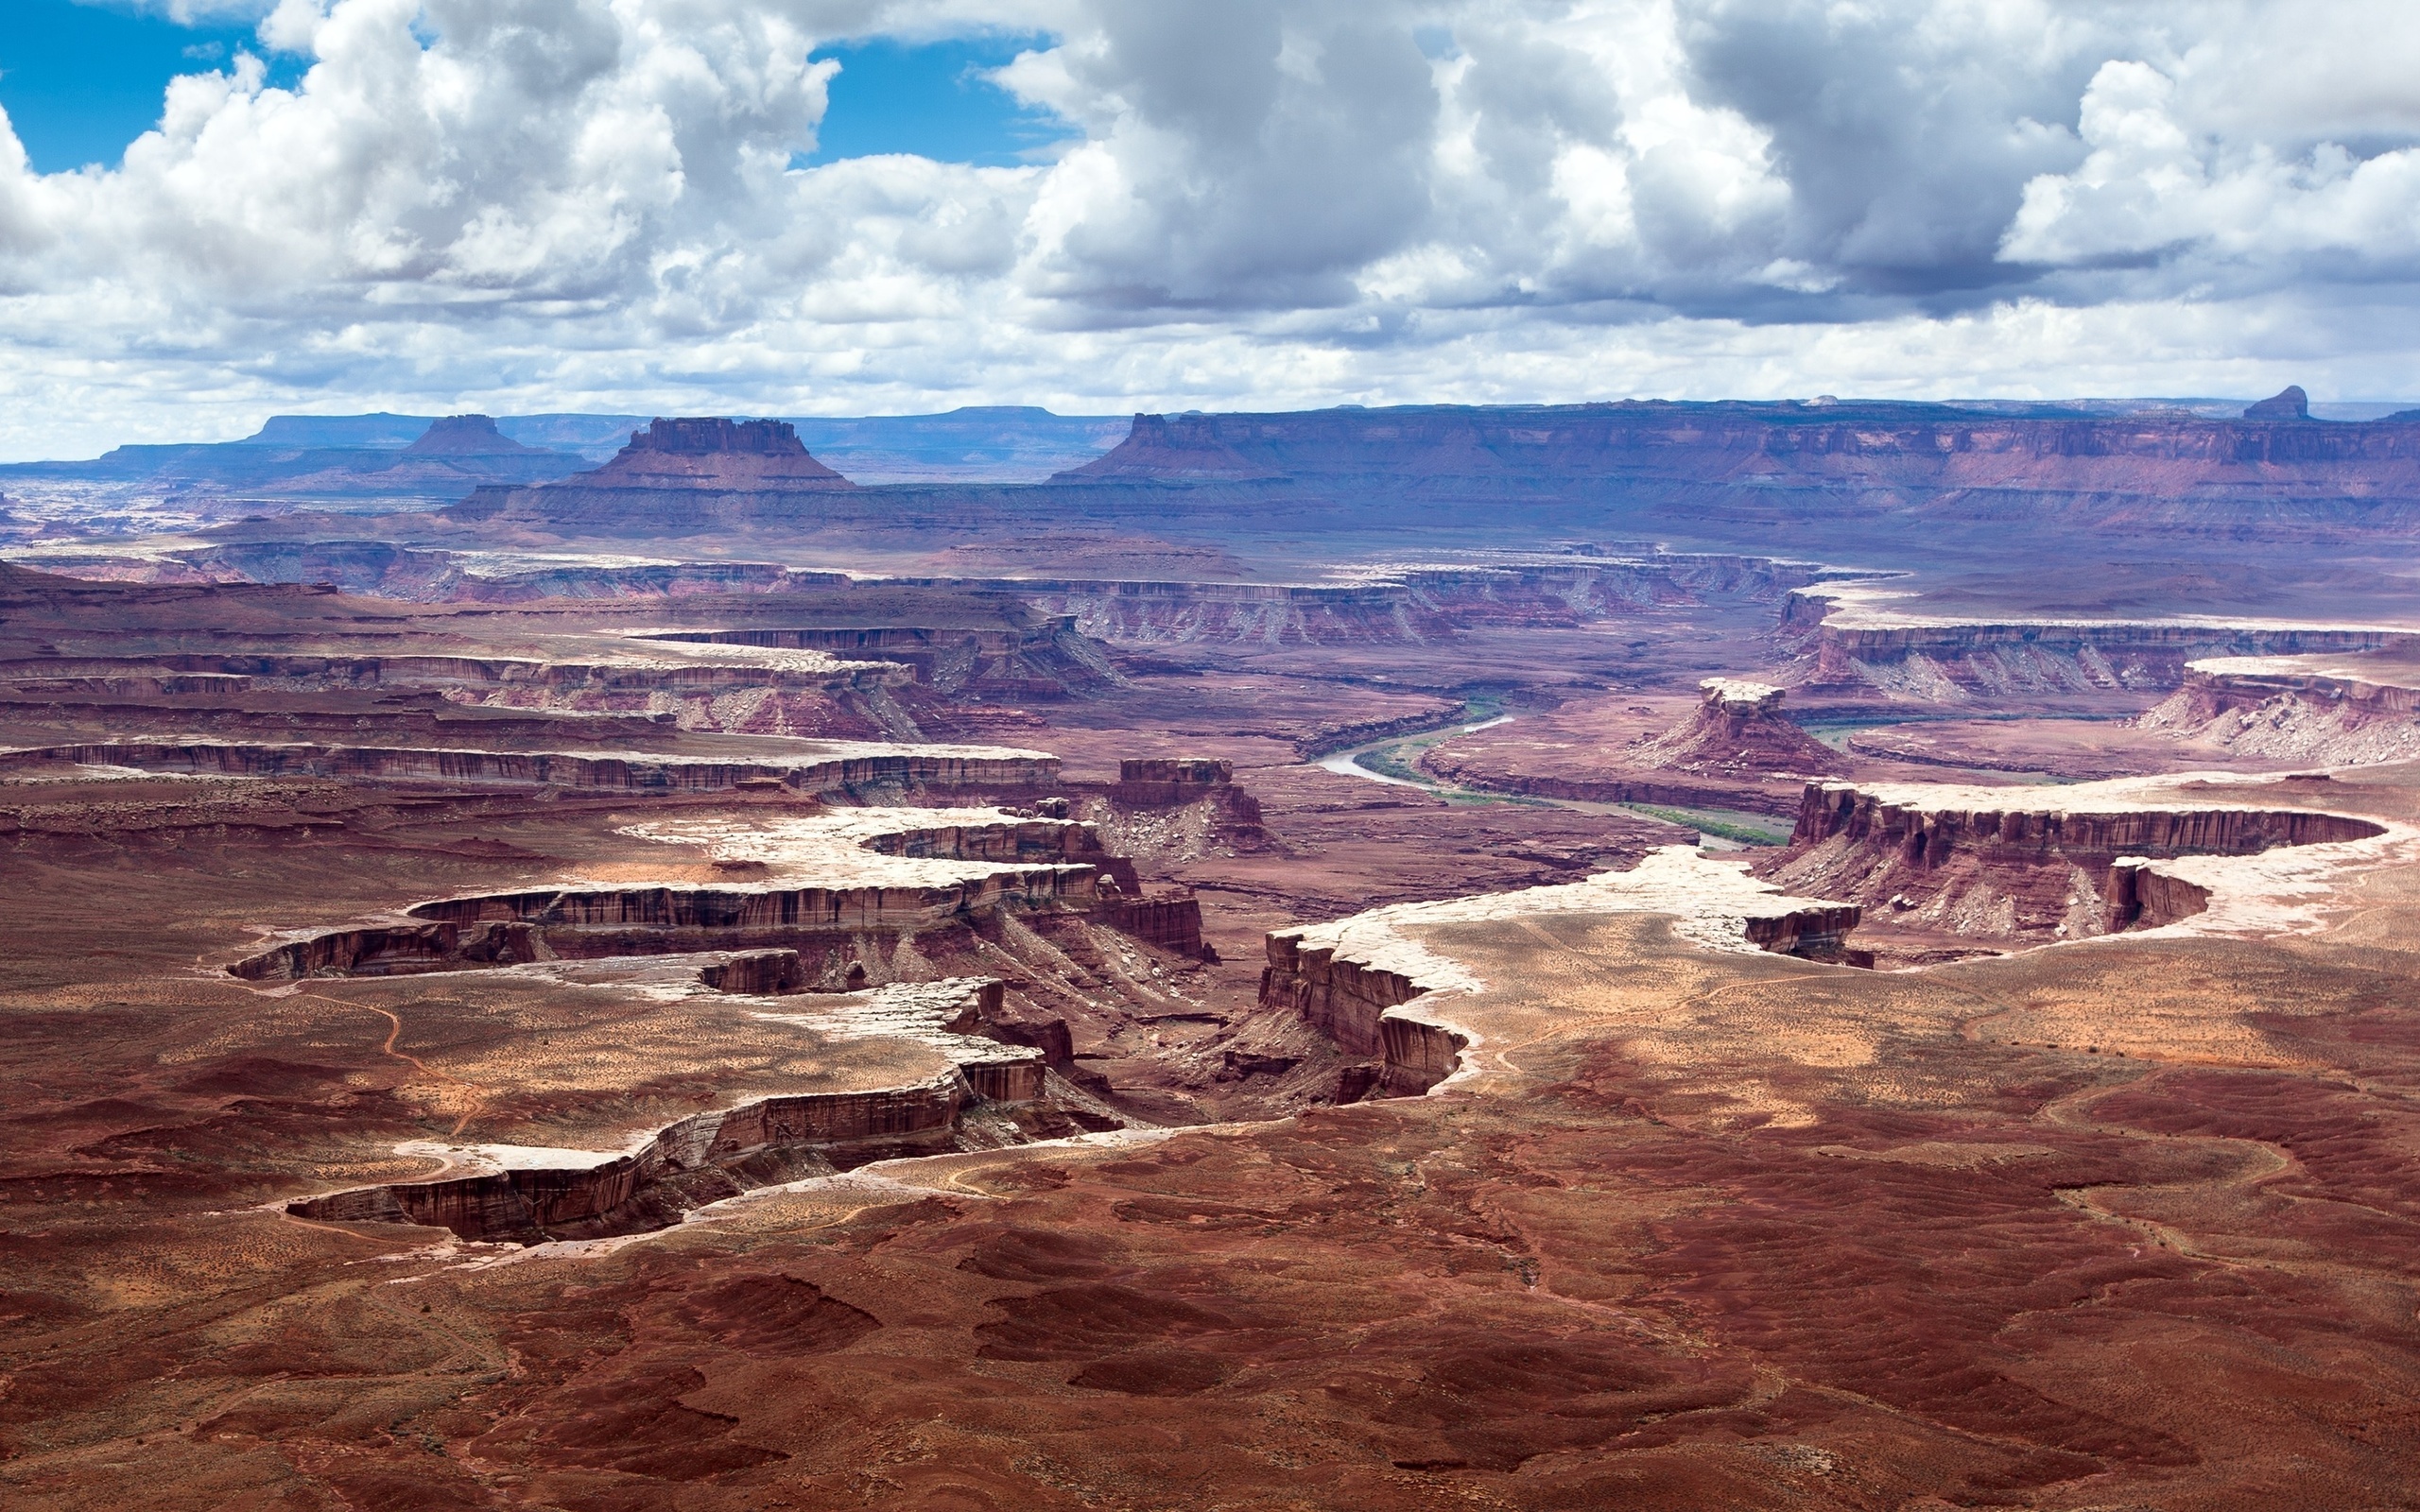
x=1728 y=466
x=2021 y=864
x=701 y=1158
x=1923 y=827
x=799 y=937
x=633 y=772
x=2331 y=711
x=1355 y=1004
x=1955 y=662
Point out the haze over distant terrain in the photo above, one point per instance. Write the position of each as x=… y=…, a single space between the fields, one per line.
x=822 y=207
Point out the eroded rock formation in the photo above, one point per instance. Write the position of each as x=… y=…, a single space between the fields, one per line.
x=2327 y=710
x=676 y=475
x=1368 y=985
x=1738 y=730
x=861 y=767
x=810 y=936
x=2017 y=864
x=1958 y=662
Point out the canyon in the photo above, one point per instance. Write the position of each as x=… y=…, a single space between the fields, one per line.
x=1631 y=954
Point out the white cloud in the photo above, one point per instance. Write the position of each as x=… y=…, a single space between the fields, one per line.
x=588 y=203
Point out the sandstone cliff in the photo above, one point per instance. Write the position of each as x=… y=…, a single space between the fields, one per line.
x=675 y=475
x=863 y=767
x=1370 y=986
x=1937 y=660
x=1737 y=731
x=2024 y=863
x=1814 y=464
x=2330 y=710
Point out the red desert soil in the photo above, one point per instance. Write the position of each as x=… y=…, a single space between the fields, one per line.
x=2125 y=1222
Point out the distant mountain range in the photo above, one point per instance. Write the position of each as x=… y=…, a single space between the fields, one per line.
x=337 y=457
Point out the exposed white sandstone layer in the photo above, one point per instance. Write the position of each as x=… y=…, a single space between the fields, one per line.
x=1737 y=695
x=878 y=846
x=1860 y=634
x=1370 y=983
x=2336 y=711
x=818 y=766
x=909 y=1100
x=2145 y=854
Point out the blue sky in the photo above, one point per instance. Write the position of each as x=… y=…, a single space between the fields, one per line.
x=81 y=80
x=525 y=206
x=933 y=100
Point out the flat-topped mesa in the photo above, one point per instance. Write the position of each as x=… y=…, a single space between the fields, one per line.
x=1930 y=659
x=539 y=1194
x=1170 y=782
x=2332 y=710
x=2017 y=864
x=860 y=883
x=714 y=452
x=849 y=765
x=468 y=436
x=1740 y=699
x=1825 y=464
x=675 y=475
x=1737 y=731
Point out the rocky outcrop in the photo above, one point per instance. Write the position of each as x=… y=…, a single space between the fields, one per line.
x=1950 y=662
x=1154 y=783
x=2142 y=896
x=768 y=910
x=469 y=436
x=1825 y=466
x=393 y=950
x=790 y=937
x=763 y=973
x=1024 y=655
x=1933 y=825
x=1737 y=731
x=675 y=475
x=1169 y=782
x=1735 y=751
x=2289 y=402
x=910 y=767
x=1342 y=999
x=699 y=1160
x=2021 y=863
x=1171 y=921
x=2325 y=711
x=1359 y=1007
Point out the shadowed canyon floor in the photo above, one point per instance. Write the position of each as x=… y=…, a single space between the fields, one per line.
x=1563 y=1025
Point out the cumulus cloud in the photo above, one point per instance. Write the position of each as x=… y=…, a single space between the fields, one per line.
x=558 y=204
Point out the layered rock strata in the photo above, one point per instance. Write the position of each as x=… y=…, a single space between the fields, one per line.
x=1825 y=465
x=1736 y=750
x=1932 y=659
x=1033 y=657
x=841 y=884
x=2012 y=864
x=1368 y=984
x=677 y=475
x=1737 y=731
x=2338 y=710
x=533 y=1195
x=841 y=765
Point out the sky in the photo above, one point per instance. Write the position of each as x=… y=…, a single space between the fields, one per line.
x=211 y=209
